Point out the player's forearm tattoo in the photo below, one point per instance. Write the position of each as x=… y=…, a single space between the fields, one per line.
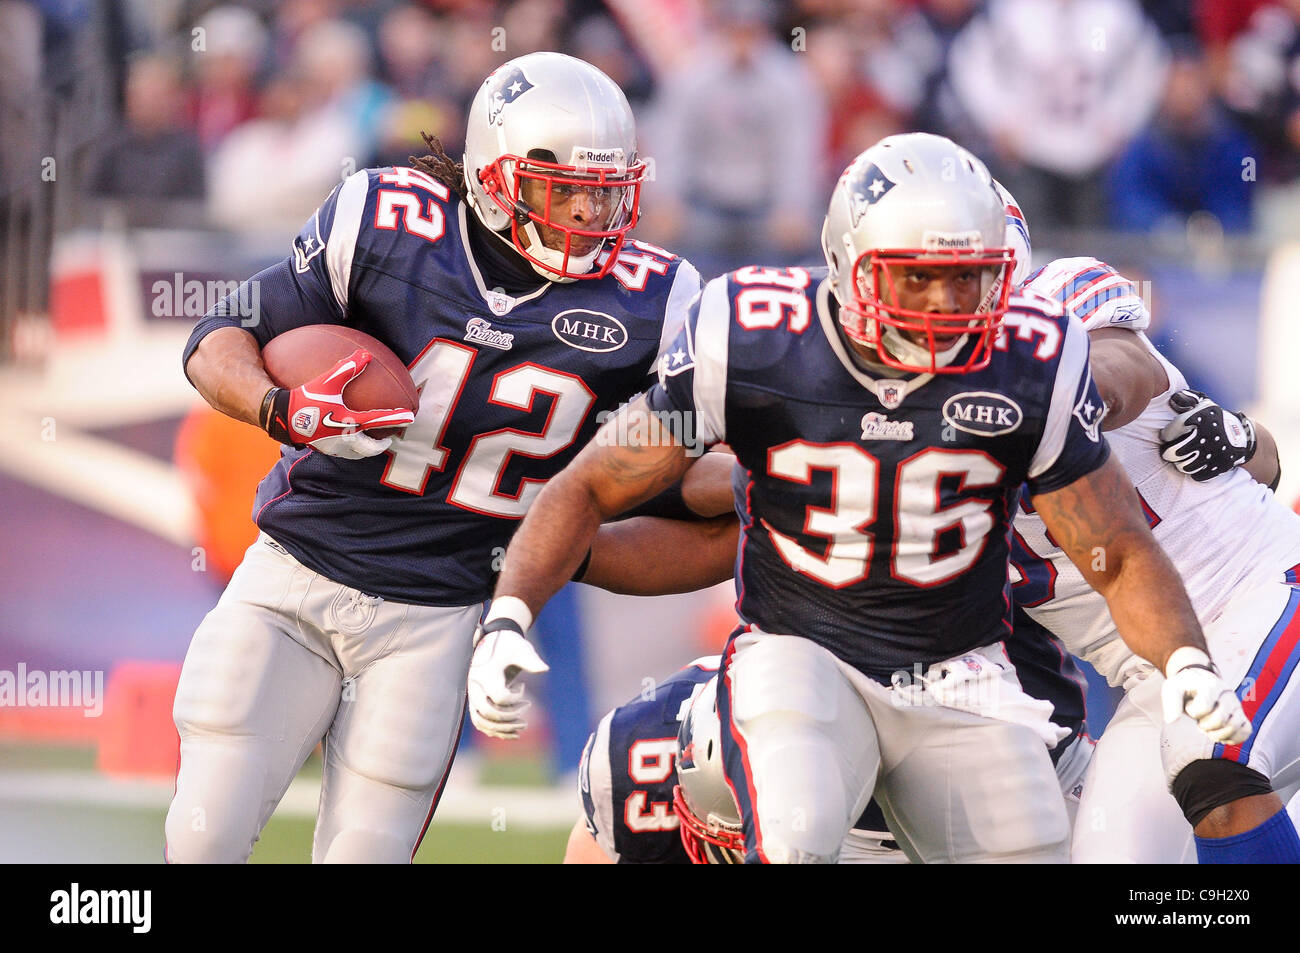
x=1099 y=510
x=646 y=467
x=637 y=454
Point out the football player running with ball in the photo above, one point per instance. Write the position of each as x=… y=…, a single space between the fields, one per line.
x=514 y=296
x=887 y=412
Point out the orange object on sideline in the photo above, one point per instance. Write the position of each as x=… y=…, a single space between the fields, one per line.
x=60 y=726
x=716 y=625
x=223 y=460
x=137 y=735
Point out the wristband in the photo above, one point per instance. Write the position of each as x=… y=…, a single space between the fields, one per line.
x=274 y=415
x=1187 y=656
x=512 y=608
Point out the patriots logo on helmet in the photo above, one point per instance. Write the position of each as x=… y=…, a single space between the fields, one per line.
x=507 y=86
x=869 y=187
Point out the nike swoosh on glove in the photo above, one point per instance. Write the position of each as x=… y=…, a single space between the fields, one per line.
x=501 y=655
x=1194 y=687
x=314 y=413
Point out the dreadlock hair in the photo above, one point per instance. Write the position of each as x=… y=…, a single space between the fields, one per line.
x=441 y=166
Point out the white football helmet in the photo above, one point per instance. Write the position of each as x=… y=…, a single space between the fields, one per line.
x=550 y=130
x=909 y=199
x=703 y=802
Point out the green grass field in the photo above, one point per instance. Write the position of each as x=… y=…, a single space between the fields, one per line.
x=59 y=830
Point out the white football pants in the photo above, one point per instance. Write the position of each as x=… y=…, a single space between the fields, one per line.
x=806 y=738
x=288 y=659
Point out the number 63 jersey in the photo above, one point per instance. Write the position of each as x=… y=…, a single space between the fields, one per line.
x=877 y=511
x=510 y=387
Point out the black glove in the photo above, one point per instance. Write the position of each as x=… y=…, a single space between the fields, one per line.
x=1205 y=440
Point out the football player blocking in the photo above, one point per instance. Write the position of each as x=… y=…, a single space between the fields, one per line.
x=351 y=620
x=1246 y=599
x=871 y=554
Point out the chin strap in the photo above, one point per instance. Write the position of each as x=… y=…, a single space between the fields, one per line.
x=907 y=351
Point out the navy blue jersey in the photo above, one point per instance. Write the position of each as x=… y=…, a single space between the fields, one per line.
x=510 y=386
x=876 y=512
x=629 y=769
x=1045 y=668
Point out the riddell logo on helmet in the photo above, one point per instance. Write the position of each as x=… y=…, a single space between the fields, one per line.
x=952 y=241
x=583 y=157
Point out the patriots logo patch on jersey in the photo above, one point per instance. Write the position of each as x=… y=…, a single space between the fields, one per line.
x=506 y=88
x=481 y=331
x=1090 y=412
x=305 y=248
x=878 y=427
x=870 y=187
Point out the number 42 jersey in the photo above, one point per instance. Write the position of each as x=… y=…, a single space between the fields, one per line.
x=876 y=513
x=510 y=387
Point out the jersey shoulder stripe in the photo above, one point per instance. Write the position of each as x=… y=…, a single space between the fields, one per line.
x=1093 y=290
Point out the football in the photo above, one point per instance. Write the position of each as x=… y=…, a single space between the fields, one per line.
x=295 y=357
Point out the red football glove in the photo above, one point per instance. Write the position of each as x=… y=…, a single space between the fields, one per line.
x=314 y=413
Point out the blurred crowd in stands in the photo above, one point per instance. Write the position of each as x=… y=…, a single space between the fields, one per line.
x=1126 y=114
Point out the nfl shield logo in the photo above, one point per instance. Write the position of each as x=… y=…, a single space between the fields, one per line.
x=890 y=393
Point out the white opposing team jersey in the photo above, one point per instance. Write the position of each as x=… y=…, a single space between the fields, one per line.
x=1220 y=534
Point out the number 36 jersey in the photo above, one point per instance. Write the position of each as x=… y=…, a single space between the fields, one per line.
x=877 y=511
x=510 y=387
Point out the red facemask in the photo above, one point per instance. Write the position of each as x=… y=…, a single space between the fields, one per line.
x=606 y=202
x=697 y=838
x=865 y=319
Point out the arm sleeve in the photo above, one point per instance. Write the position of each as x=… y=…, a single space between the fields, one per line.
x=310 y=286
x=596 y=788
x=692 y=382
x=1071 y=446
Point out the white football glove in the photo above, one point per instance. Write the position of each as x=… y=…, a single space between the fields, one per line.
x=501 y=655
x=1193 y=687
x=352 y=446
